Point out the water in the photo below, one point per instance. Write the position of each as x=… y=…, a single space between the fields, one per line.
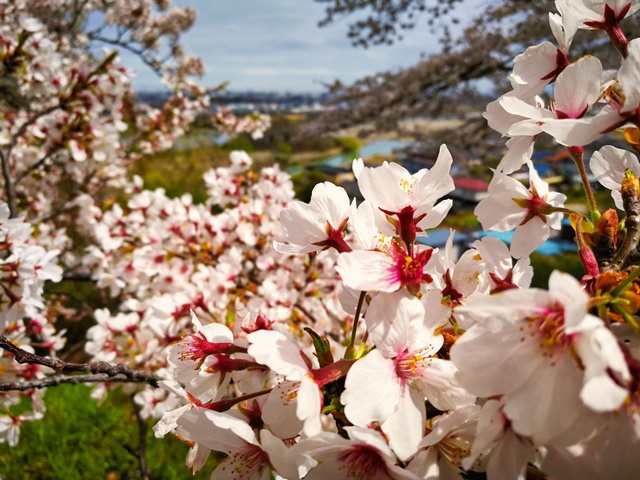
x=549 y=247
x=379 y=147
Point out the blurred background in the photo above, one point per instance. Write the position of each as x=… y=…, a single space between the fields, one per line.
x=385 y=80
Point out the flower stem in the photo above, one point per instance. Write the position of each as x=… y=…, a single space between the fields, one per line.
x=627 y=317
x=578 y=158
x=350 y=352
x=626 y=283
x=226 y=403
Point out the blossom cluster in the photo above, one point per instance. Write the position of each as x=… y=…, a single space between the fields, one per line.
x=71 y=125
x=25 y=266
x=71 y=121
x=453 y=365
x=328 y=339
x=162 y=258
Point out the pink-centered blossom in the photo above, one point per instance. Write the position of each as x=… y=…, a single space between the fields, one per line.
x=447 y=445
x=610 y=165
x=545 y=355
x=498 y=271
x=299 y=397
x=408 y=200
x=510 y=205
x=389 y=385
x=576 y=90
x=319 y=224
x=455 y=279
x=202 y=360
x=247 y=457
x=365 y=455
x=387 y=271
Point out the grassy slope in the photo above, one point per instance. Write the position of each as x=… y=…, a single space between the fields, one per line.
x=78 y=439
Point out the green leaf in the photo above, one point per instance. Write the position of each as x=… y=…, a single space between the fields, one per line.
x=323 y=349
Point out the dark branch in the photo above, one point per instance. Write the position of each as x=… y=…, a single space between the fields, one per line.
x=141 y=452
x=8 y=185
x=385 y=20
x=56 y=380
x=109 y=371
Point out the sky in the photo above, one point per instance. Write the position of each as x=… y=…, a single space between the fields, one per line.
x=276 y=45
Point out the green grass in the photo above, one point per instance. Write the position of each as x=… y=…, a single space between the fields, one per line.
x=460 y=220
x=543 y=265
x=79 y=439
x=179 y=171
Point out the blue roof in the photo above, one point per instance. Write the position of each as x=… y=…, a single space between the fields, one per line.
x=438 y=238
x=543 y=169
x=541 y=155
x=550 y=247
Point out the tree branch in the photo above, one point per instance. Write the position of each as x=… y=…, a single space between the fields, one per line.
x=56 y=380
x=34 y=167
x=141 y=452
x=122 y=372
x=8 y=185
x=153 y=63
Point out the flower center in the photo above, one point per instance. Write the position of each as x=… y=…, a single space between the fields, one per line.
x=410 y=365
x=454 y=449
x=409 y=270
x=548 y=327
x=363 y=463
x=245 y=462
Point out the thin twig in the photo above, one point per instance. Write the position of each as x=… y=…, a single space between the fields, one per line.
x=306 y=312
x=8 y=185
x=34 y=167
x=153 y=63
x=56 y=380
x=631 y=200
x=77 y=14
x=141 y=452
x=111 y=371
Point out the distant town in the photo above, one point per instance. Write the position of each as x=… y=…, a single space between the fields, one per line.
x=244 y=102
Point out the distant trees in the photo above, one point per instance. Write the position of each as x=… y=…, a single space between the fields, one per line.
x=446 y=83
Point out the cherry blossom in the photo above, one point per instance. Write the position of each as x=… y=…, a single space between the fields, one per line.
x=610 y=165
x=386 y=271
x=321 y=339
x=539 y=331
x=320 y=224
x=447 y=445
x=247 y=458
x=390 y=383
x=532 y=213
x=364 y=455
x=411 y=199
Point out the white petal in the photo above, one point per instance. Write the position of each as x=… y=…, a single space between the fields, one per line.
x=441 y=388
x=583 y=131
x=519 y=152
x=528 y=237
x=368 y=271
x=309 y=406
x=628 y=76
x=372 y=390
x=536 y=62
x=578 y=86
x=405 y=427
x=279 y=410
x=277 y=352
x=498 y=212
x=217 y=431
x=601 y=394
x=545 y=406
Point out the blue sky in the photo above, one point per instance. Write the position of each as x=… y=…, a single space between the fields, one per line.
x=276 y=45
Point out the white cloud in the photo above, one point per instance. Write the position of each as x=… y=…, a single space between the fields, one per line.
x=277 y=45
